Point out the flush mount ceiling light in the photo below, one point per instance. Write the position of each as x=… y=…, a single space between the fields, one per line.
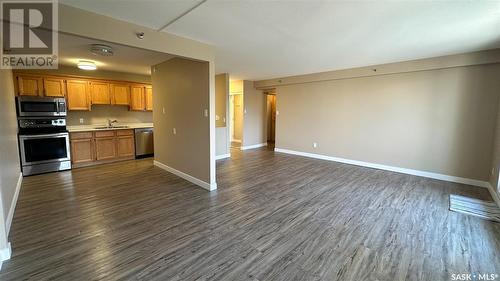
x=86 y=65
x=101 y=50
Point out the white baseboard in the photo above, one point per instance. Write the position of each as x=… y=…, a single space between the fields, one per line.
x=187 y=177
x=389 y=168
x=222 y=156
x=495 y=196
x=253 y=146
x=12 y=209
x=5 y=254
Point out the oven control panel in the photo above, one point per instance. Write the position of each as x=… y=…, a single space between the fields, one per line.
x=42 y=123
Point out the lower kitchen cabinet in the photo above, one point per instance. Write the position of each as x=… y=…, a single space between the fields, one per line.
x=82 y=151
x=105 y=148
x=91 y=148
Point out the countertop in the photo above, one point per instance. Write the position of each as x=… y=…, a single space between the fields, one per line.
x=87 y=128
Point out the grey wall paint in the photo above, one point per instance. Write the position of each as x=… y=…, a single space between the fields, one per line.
x=254 y=120
x=181 y=86
x=439 y=121
x=9 y=153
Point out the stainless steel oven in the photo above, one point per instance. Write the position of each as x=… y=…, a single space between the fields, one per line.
x=40 y=106
x=44 y=145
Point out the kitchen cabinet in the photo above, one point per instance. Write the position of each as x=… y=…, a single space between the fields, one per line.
x=105 y=148
x=81 y=92
x=78 y=97
x=148 y=98
x=137 y=97
x=96 y=147
x=29 y=85
x=125 y=144
x=99 y=92
x=82 y=148
x=120 y=94
x=54 y=87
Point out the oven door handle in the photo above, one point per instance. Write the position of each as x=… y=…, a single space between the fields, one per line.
x=43 y=136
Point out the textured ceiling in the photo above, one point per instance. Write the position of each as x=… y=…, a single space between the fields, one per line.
x=266 y=39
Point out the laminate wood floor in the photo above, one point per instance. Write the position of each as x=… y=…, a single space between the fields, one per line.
x=274 y=217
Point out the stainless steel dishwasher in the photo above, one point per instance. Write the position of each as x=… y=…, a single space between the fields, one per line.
x=144 y=146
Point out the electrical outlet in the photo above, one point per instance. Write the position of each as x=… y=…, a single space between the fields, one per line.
x=174 y=130
x=315 y=144
x=81 y=120
x=205 y=112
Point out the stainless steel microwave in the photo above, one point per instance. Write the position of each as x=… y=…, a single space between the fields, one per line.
x=40 y=106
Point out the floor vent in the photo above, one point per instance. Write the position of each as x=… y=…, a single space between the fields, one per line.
x=484 y=209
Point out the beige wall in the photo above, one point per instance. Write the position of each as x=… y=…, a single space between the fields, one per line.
x=221 y=111
x=439 y=121
x=221 y=96
x=495 y=164
x=9 y=153
x=181 y=86
x=237 y=100
x=101 y=113
x=254 y=120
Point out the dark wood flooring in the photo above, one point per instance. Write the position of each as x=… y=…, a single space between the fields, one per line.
x=274 y=217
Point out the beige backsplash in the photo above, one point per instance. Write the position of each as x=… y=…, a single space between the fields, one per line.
x=101 y=113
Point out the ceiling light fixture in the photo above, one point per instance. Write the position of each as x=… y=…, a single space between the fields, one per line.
x=86 y=65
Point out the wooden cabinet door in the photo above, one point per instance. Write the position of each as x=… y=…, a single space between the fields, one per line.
x=137 y=97
x=149 y=98
x=28 y=85
x=105 y=148
x=120 y=94
x=99 y=92
x=125 y=146
x=77 y=95
x=82 y=151
x=54 y=87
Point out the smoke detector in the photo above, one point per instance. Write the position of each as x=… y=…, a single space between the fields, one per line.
x=101 y=50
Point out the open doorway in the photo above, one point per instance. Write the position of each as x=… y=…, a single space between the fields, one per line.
x=236 y=113
x=271 y=117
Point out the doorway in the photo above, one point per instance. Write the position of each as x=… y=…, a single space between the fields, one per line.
x=271 y=118
x=236 y=117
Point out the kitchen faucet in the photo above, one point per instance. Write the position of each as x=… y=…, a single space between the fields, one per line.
x=111 y=122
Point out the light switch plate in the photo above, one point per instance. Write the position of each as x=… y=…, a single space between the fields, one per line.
x=174 y=130
x=315 y=144
x=205 y=112
x=81 y=120
x=163 y=110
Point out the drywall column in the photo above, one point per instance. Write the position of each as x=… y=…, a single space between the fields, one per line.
x=10 y=173
x=221 y=112
x=254 y=117
x=183 y=143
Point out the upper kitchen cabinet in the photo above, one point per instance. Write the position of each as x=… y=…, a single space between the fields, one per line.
x=29 y=85
x=78 y=97
x=54 y=87
x=137 y=98
x=120 y=93
x=149 y=98
x=99 y=92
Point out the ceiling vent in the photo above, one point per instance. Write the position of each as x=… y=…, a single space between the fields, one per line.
x=101 y=50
